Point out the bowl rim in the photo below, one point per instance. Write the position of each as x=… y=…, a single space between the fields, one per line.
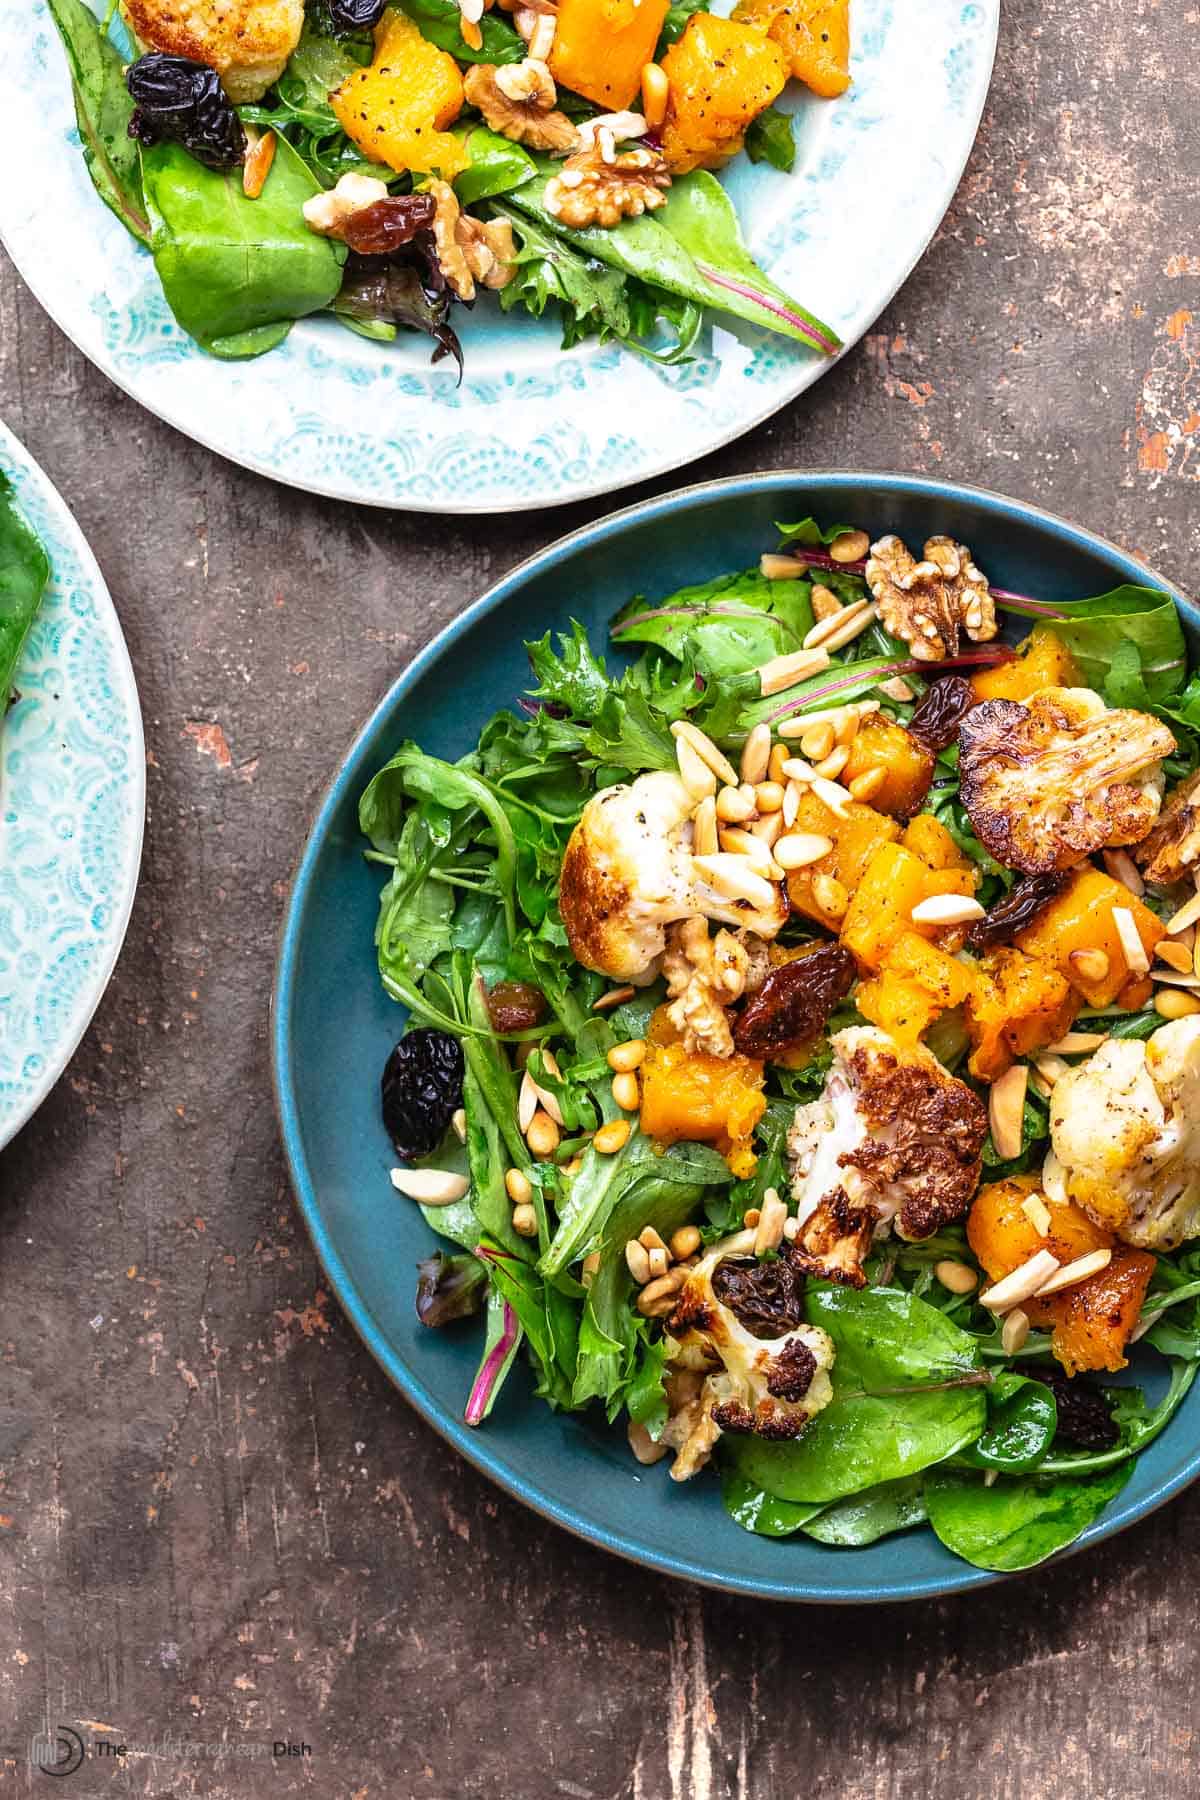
x=471 y=1443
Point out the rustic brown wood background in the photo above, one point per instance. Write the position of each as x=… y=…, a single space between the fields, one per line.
x=217 y=1520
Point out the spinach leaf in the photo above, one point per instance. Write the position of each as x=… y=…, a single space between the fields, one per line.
x=755 y=1510
x=24 y=576
x=1144 y=618
x=907 y=1393
x=228 y=264
x=771 y=138
x=865 y=1518
x=440 y=21
x=1022 y=1420
x=729 y=626
x=497 y=166
x=103 y=110
x=1016 y=1523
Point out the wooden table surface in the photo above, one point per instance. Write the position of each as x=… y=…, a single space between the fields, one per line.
x=218 y=1523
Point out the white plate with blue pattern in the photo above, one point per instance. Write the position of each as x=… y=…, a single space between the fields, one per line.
x=72 y=803
x=530 y=425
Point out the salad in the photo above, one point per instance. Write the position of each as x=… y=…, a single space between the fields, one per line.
x=24 y=577
x=802 y=1059
x=386 y=163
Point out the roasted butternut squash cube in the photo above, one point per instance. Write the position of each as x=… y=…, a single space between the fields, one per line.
x=881 y=907
x=1080 y=919
x=712 y=1099
x=1090 y=1323
x=1042 y=661
x=855 y=841
x=601 y=47
x=722 y=74
x=907 y=765
x=1019 y=1004
x=916 y=984
x=814 y=35
x=396 y=111
x=928 y=838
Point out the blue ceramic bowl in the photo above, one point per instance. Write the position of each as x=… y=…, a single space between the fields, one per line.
x=333 y=1026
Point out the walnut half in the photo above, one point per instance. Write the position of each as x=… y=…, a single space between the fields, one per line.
x=469 y=249
x=930 y=603
x=518 y=102
x=593 y=190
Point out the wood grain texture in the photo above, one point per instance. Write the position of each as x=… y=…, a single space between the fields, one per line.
x=217 y=1521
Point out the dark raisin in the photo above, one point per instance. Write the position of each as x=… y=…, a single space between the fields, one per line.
x=1015 y=911
x=794 y=1002
x=353 y=15
x=1083 y=1414
x=422 y=1089
x=449 y=1288
x=180 y=101
x=766 y=1297
x=386 y=227
x=515 y=1006
x=940 y=711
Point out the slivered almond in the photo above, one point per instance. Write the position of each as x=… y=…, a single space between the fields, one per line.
x=788 y=671
x=849 y=629
x=790 y=809
x=1051 y=1069
x=829 y=632
x=1022 y=1284
x=1188 y=914
x=897 y=689
x=801 y=848
x=946 y=909
x=1176 y=956
x=615 y=997
x=257 y=166
x=1078 y=1043
x=796 y=769
x=527 y=1103
x=1122 y=868
x=706 y=750
x=1081 y=1269
x=544 y=1096
x=768 y=1233
x=756 y=755
x=836 y=798
x=430 y=1187
x=1006 y=1111
x=733 y=877
x=1037 y=1212
x=1172 y=980
x=1054 y=1180
x=1132 y=947
x=1014 y=1332
x=694 y=772
x=1146 y=1323
x=781 y=568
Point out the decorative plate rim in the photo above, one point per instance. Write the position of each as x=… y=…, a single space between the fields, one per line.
x=454 y=497
x=472 y=1444
x=19 y=462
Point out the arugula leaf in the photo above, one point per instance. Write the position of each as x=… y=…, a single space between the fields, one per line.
x=1147 y=620
x=548 y=1327
x=865 y=1518
x=728 y=626
x=771 y=138
x=572 y=677
x=1138 y=1422
x=24 y=577
x=646 y=1395
x=103 y=110
x=440 y=22
x=230 y=265
x=1016 y=1523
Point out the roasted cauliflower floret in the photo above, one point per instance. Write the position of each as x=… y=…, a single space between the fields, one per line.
x=1171 y=853
x=894 y=1138
x=740 y=1323
x=1125 y=1136
x=1049 y=782
x=248 y=42
x=628 y=874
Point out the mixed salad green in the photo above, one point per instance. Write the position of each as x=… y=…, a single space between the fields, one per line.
x=939 y=1412
x=24 y=577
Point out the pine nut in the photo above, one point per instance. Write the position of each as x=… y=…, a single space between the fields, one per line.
x=1175 y=1003
x=817 y=741
x=656 y=92
x=543 y=1136
x=826 y=631
x=650 y=1239
x=615 y=997
x=1176 y=956
x=1188 y=914
x=660 y=1262
x=830 y=896
x=1132 y=947
x=750 y=1218
x=768 y=829
x=704 y=827
x=590 y=1269
x=637 y=1261
x=791 y=1230
x=832 y=765
x=825 y=603
x=1014 y=1332
x=518 y=1187
x=611 y=1137
x=836 y=798
x=801 y=849
x=657 y=1298
x=796 y=769
x=733 y=806
x=459 y=1122
x=769 y=1231
x=430 y=1187
x=946 y=909
x=1006 y=1111
x=850 y=547
x=756 y=755
x=694 y=772
x=864 y=787
x=623 y=1057
x=626 y=1093
x=685 y=1242
x=1089 y=965
x=734 y=879
x=527 y=1103
x=1022 y=1284
x=956 y=1277
x=781 y=568
x=788 y=671
x=768 y=796
x=524 y=1221
x=1122 y=868
x=738 y=842
x=1082 y=1269
x=775 y=769
x=683 y=731
x=643 y=1445
x=541 y=41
